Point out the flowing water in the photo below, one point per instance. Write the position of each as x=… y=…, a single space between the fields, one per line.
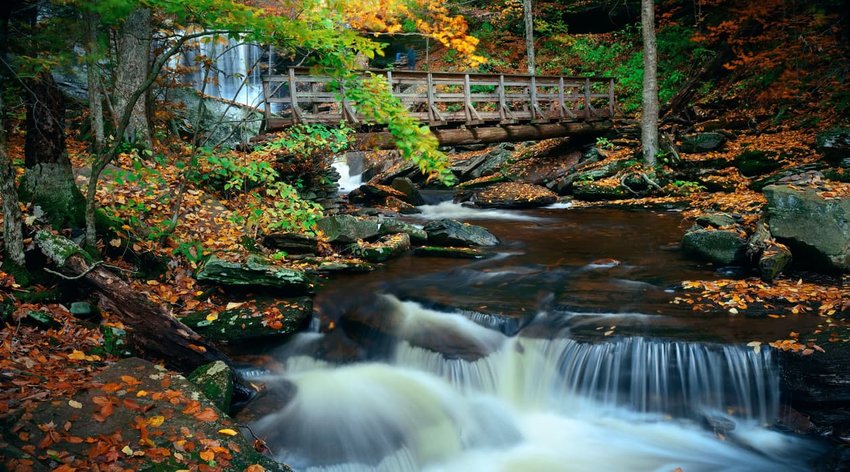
x=560 y=352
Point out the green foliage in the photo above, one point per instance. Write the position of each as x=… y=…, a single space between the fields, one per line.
x=289 y=212
x=308 y=139
x=677 y=54
x=193 y=251
x=373 y=99
x=604 y=143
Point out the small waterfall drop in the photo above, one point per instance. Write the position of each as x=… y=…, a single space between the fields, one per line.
x=529 y=404
x=347 y=182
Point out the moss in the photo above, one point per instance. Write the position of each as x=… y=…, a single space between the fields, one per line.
x=62 y=209
x=59 y=248
x=21 y=274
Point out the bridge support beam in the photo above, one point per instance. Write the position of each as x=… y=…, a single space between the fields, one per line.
x=491 y=134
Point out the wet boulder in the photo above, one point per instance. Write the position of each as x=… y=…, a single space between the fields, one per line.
x=385 y=248
x=408 y=188
x=514 y=195
x=291 y=243
x=348 y=229
x=395 y=226
x=447 y=232
x=242 y=323
x=716 y=220
x=702 y=142
x=400 y=206
x=773 y=261
x=254 y=272
x=718 y=246
x=215 y=380
x=816 y=227
x=834 y=145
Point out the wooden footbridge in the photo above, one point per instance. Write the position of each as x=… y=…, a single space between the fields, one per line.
x=460 y=108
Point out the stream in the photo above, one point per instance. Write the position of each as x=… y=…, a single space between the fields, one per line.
x=559 y=352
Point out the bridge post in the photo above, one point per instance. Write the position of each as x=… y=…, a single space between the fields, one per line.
x=533 y=97
x=390 y=81
x=267 y=112
x=503 y=105
x=293 y=100
x=588 y=108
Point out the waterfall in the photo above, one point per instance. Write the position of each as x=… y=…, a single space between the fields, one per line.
x=347 y=182
x=457 y=211
x=528 y=404
x=233 y=62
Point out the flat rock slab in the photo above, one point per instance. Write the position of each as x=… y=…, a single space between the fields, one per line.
x=383 y=249
x=347 y=229
x=254 y=273
x=138 y=416
x=514 y=195
x=446 y=232
x=263 y=321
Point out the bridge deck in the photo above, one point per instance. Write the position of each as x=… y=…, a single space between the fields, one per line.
x=446 y=99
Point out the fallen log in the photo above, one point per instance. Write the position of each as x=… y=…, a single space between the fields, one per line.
x=152 y=330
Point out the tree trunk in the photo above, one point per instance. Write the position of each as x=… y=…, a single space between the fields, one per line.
x=134 y=44
x=93 y=75
x=152 y=330
x=649 y=113
x=49 y=180
x=12 y=235
x=529 y=35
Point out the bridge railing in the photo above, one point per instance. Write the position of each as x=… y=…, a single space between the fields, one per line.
x=446 y=98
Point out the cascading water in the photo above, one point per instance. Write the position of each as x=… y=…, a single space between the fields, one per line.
x=233 y=62
x=453 y=395
x=347 y=181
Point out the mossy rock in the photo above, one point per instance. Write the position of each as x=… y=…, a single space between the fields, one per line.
x=215 y=380
x=255 y=273
x=383 y=249
x=592 y=191
x=753 y=162
x=243 y=324
x=347 y=229
x=116 y=341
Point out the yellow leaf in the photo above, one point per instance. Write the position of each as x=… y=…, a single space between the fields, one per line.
x=115 y=242
x=156 y=420
x=127 y=450
x=228 y=432
x=77 y=356
x=212 y=316
x=142 y=393
x=207 y=455
x=75 y=404
x=233 y=305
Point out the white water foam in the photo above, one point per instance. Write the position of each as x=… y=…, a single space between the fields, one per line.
x=347 y=182
x=457 y=211
x=532 y=405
